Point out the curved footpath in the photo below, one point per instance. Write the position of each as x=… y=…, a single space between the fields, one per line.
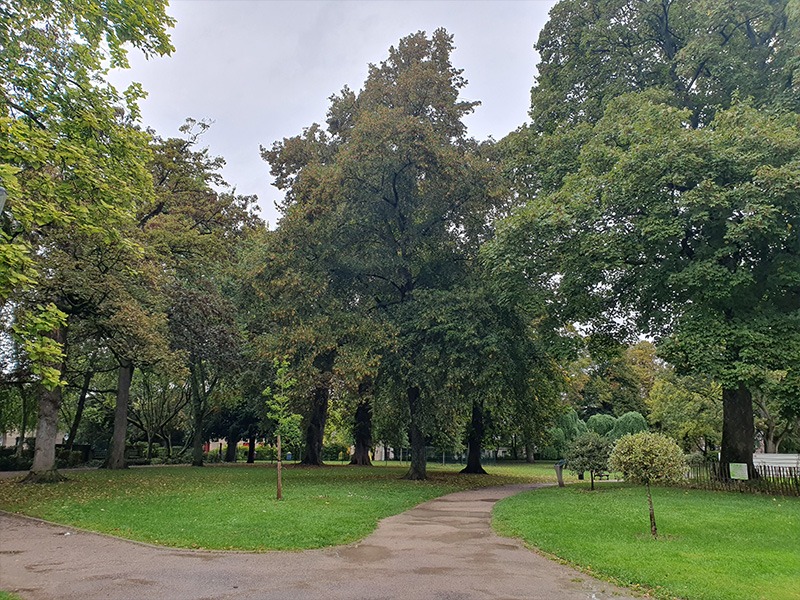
x=443 y=549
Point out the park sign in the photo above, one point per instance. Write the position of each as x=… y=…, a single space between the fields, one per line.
x=738 y=471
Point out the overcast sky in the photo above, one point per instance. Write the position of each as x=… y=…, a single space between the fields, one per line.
x=263 y=70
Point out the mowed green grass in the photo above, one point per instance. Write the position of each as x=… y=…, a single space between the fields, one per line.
x=234 y=508
x=711 y=546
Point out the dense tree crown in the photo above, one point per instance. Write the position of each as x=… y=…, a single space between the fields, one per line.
x=395 y=202
x=661 y=173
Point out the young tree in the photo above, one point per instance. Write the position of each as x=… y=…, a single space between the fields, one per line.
x=287 y=423
x=589 y=452
x=645 y=458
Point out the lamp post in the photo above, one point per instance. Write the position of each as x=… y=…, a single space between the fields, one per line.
x=3 y=196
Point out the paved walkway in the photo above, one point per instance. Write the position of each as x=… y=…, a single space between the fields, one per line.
x=444 y=549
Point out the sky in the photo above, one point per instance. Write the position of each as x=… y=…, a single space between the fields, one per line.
x=263 y=70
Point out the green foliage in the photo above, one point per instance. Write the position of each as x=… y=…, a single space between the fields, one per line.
x=287 y=423
x=687 y=234
x=699 y=54
x=646 y=458
x=689 y=410
x=720 y=546
x=589 y=452
x=43 y=351
x=630 y=422
x=601 y=424
x=387 y=208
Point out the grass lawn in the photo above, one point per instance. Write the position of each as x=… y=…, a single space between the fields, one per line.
x=234 y=507
x=711 y=546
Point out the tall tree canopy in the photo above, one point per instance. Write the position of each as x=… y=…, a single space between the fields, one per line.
x=73 y=166
x=396 y=202
x=660 y=173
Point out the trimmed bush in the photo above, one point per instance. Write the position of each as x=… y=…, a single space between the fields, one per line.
x=589 y=452
x=646 y=458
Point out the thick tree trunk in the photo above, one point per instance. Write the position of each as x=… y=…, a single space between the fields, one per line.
x=738 y=428
x=529 y=454
x=116 y=456
x=475 y=441
x=316 y=427
x=362 y=434
x=43 y=469
x=251 y=449
x=233 y=442
x=73 y=430
x=315 y=430
x=418 y=468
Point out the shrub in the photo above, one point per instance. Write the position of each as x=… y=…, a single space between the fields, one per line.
x=630 y=422
x=601 y=424
x=589 y=452
x=646 y=458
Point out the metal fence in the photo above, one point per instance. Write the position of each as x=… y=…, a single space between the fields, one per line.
x=765 y=479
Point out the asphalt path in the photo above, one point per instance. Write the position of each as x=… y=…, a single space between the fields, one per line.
x=443 y=549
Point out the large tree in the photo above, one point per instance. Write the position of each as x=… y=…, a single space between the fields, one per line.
x=406 y=199
x=70 y=162
x=665 y=234
x=686 y=234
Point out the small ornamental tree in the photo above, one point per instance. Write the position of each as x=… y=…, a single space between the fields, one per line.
x=589 y=452
x=646 y=458
x=287 y=423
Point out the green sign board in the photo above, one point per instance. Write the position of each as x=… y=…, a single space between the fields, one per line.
x=739 y=471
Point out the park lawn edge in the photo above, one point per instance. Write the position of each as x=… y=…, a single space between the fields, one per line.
x=636 y=589
x=632 y=580
x=364 y=525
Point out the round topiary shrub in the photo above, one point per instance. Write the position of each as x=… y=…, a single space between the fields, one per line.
x=646 y=458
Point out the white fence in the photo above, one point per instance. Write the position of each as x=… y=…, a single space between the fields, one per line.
x=776 y=460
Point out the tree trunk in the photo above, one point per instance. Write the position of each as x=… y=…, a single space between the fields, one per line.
x=529 y=454
x=73 y=430
x=233 y=442
x=43 y=469
x=279 y=494
x=197 y=418
x=475 y=440
x=362 y=434
x=316 y=426
x=116 y=457
x=418 y=468
x=23 y=392
x=653 y=529
x=738 y=429
x=251 y=449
